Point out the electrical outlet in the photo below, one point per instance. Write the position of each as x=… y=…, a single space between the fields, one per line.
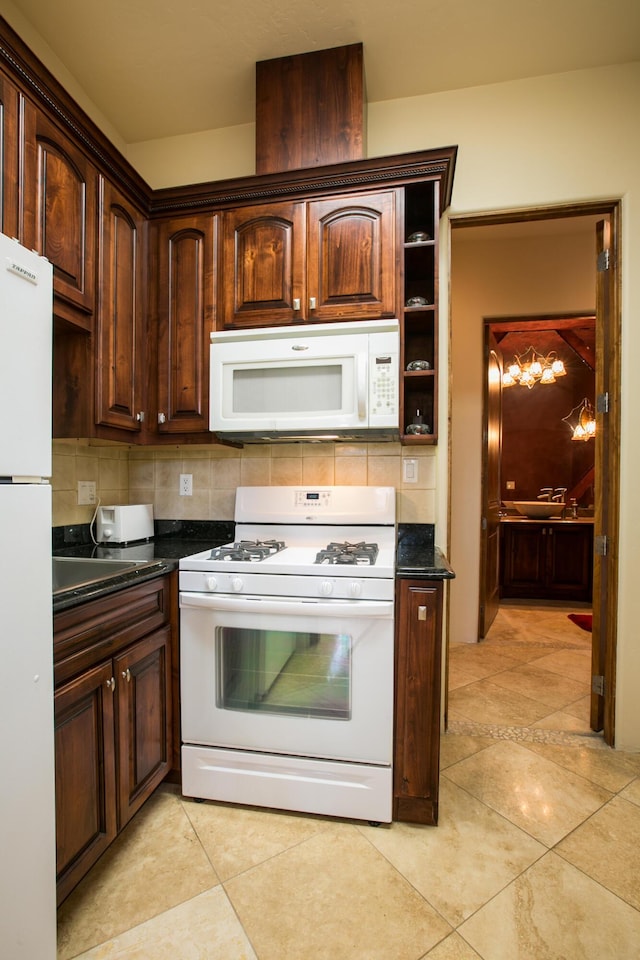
x=86 y=492
x=186 y=485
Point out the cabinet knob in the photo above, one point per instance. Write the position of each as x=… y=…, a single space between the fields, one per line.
x=312 y=303
x=140 y=416
x=422 y=613
x=161 y=418
x=296 y=303
x=126 y=675
x=111 y=683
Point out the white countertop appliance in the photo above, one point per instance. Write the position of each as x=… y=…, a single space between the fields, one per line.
x=331 y=381
x=287 y=654
x=126 y=523
x=27 y=825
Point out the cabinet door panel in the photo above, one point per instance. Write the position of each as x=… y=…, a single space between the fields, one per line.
x=9 y=166
x=85 y=774
x=60 y=216
x=263 y=265
x=351 y=257
x=144 y=720
x=524 y=560
x=570 y=571
x=119 y=341
x=547 y=561
x=418 y=685
x=186 y=250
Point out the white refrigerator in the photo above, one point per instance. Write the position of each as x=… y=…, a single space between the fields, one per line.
x=27 y=774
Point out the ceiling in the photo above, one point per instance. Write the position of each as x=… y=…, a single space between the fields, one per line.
x=159 y=68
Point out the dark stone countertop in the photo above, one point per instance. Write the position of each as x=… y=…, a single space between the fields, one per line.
x=417 y=556
x=557 y=521
x=173 y=540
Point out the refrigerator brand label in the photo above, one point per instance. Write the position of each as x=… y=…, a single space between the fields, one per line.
x=14 y=267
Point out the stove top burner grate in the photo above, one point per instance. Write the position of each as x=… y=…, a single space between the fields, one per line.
x=251 y=550
x=361 y=554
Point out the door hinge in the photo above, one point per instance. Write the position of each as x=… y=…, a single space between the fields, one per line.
x=604 y=260
x=602 y=402
x=601 y=545
x=597 y=685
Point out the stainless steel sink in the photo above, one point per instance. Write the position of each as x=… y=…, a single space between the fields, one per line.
x=69 y=573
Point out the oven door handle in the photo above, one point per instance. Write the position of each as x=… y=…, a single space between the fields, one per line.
x=291 y=606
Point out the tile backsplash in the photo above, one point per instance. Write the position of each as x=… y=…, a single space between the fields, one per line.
x=133 y=474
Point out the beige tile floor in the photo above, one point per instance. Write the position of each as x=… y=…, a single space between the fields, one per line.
x=536 y=855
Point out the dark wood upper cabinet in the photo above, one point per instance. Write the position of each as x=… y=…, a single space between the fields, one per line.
x=120 y=317
x=323 y=260
x=262 y=275
x=310 y=109
x=328 y=241
x=351 y=257
x=60 y=186
x=9 y=157
x=185 y=316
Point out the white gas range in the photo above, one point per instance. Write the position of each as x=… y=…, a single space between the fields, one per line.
x=287 y=654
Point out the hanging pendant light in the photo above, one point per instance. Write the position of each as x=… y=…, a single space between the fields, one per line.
x=531 y=367
x=582 y=421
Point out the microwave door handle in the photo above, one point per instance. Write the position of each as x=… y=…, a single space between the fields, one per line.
x=361 y=385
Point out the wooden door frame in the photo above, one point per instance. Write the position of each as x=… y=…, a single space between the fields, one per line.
x=609 y=335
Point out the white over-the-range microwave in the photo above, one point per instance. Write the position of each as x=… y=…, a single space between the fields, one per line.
x=309 y=382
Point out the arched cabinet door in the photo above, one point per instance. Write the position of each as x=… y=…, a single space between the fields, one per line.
x=262 y=276
x=9 y=156
x=119 y=361
x=185 y=315
x=351 y=257
x=60 y=216
x=302 y=262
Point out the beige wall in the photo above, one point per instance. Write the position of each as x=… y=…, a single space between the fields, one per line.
x=151 y=475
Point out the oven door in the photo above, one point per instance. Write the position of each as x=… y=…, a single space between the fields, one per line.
x=306 y=678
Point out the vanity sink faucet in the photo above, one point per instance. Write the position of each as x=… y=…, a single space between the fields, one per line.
x=545 y=493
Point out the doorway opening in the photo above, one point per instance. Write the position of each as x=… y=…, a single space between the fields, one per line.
x=530 y=264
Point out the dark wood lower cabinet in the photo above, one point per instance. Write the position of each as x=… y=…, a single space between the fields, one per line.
x=113 y=719
x=418 y=682
x=546 y=561
x=85 y=774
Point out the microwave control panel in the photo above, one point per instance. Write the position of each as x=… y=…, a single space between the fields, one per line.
x=383 y=393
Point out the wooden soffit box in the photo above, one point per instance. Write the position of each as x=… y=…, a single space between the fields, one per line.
x=310 y=109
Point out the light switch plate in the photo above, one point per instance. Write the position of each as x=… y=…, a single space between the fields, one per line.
x=410 y=470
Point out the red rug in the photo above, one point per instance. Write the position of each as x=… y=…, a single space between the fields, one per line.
x=582 y=620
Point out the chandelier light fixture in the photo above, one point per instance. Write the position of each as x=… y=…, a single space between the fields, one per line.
x=582 y=421
x=531 y=367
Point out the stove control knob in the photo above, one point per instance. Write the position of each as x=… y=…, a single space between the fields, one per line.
x=326 y=588
x=236 y=584
x=211 y=583
x=355 y=588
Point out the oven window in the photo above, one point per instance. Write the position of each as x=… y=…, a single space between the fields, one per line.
x=284 y=672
